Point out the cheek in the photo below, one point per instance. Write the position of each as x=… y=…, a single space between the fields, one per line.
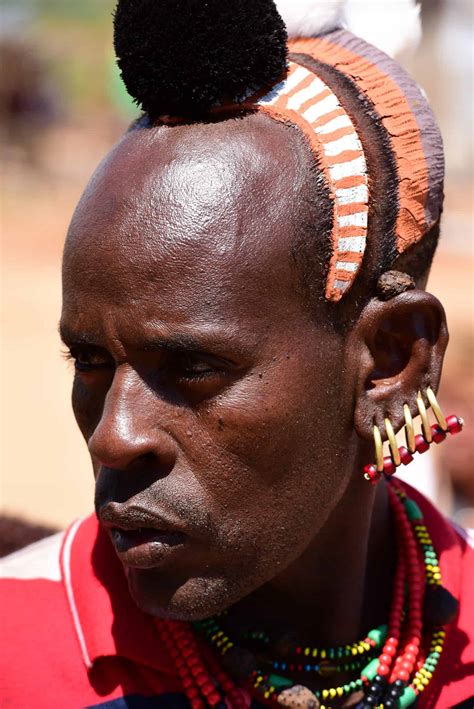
x=276 y=438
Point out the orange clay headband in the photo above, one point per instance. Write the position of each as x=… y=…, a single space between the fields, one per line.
x=304 y=99
x=308 y=102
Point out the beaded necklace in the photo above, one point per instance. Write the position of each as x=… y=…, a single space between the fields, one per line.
x=394 y=663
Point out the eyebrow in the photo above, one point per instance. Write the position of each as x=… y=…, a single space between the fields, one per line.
x=70 y=337
x=176 y=344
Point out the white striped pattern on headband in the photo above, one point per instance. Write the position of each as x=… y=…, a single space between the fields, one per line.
x=343 y=161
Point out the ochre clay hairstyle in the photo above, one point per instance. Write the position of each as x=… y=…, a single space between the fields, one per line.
x=371 y=131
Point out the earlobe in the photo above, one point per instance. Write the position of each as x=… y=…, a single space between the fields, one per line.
x=395 y=351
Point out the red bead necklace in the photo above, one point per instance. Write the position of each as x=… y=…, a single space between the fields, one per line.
x=403 y=668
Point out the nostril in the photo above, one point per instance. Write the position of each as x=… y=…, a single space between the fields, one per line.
x=147 y=458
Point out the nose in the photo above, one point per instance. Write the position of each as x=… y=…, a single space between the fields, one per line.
x=130 y=431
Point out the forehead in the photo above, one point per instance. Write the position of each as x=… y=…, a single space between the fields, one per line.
x=203 y=215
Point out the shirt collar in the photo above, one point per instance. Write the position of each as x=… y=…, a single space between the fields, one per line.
x=106 y=620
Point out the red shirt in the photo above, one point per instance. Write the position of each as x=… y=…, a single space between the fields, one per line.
x=72 y=637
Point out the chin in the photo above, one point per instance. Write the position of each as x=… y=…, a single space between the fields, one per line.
x=189 y=600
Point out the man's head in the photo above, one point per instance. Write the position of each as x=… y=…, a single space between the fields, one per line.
x=224 y=401
x=204 y=386
x=213 y=400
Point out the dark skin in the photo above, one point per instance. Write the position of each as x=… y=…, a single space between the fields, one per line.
x=214 y=403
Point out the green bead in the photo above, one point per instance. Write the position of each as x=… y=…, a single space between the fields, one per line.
x=370 y=670
x=412 y=510
x=279 y=682
x=407 y=698
x=379 y=634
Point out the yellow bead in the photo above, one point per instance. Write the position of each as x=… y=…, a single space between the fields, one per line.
x=325 y=694
x=323 y=654
x=339 y=691
x=438 y=648
x=332 y=693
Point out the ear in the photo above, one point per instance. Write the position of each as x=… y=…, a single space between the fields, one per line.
x=395 y=350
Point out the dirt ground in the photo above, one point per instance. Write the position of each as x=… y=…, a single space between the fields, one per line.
x=45 y=473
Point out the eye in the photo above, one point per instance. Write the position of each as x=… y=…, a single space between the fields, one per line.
x=197 y=367
x=88 y=359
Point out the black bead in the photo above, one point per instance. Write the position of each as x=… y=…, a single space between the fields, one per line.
x=440 y=607
x=400 y=683
x=389 y=704
x=395 y=692
x=370 y=701
x=381 y=681
x=374 y=691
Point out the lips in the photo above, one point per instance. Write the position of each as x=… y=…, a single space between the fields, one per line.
x=142 y=539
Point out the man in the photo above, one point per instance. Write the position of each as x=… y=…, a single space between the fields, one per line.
x=229 y=373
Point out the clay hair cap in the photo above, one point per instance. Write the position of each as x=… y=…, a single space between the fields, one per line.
x=183 y=57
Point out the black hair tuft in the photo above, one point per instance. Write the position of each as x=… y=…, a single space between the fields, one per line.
x=182 y=57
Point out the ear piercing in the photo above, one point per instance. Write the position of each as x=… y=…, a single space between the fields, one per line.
x=415 y=443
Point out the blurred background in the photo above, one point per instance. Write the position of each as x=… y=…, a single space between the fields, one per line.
x=62 y=106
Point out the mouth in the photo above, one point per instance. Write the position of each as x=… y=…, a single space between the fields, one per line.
x=145 y=547
x=141 y=540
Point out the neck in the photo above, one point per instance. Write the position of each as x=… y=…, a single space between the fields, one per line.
x=341 y=586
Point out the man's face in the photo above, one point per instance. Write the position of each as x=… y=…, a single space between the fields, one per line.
x=211 y=402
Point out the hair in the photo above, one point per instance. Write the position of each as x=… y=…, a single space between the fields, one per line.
x=187 y=61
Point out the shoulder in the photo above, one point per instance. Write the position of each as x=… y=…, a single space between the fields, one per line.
x=31 y=584
x=37 y=561
x=38 y=635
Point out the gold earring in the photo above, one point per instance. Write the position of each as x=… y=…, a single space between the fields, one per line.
x=425 y=423
x=409 y=429
x=415 y=443
x=392 y=442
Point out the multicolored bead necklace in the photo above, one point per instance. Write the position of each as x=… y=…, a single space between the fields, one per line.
x=393 y=664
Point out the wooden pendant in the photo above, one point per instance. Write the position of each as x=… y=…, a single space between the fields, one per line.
x=298 y=697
